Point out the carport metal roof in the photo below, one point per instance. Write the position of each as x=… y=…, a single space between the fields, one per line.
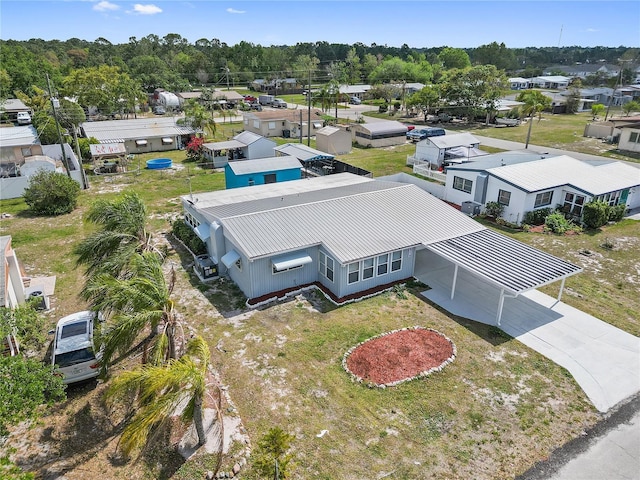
x=512 y=266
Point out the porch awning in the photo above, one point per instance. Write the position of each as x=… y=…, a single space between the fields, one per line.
x=141 y=143
x=293 y=260
x=202 y=231
x=502 y=261
x=167 y=140
x=229 y=258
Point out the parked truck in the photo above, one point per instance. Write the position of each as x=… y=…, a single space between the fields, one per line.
x=265 y=99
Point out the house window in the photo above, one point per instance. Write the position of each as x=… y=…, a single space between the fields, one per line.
x=270 y=178
x=462 y=184
x=354 y=272
x=396 y=261
x=191 y=220
x=326 y=266
x=367 y=268
x=26 y=151
x=634 y=137
x=383 y=264
x=504 y=197
x=611 y=198
x=272 y=125
x=251 y=182
x=543 y=199
x=573 y=204
x=256 y=124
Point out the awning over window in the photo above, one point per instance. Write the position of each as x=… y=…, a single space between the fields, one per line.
x=230 y=258
x=167 y=140
x=294 y=260
x=141 y=143
x=202 y=231
x=317 y=125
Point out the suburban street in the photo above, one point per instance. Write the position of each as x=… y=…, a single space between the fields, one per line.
x=610 y=450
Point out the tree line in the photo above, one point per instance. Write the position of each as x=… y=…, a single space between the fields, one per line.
x=172 y=62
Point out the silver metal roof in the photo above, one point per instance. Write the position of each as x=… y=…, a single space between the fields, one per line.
x=302 y=152
x=116 y=131
x=503 y=261
x=224 y=145
x=269 y=164
x=564 y=170
x=449 y=141
x=18 y=136
x=353 y=221
x=248 y=138
x=385 y=126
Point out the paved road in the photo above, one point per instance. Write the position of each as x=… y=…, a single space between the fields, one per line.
x=608 y=451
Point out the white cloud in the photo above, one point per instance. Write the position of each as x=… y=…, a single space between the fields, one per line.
x=105 y=6
x=233 y=10
x=592 y=30
x=146 y=9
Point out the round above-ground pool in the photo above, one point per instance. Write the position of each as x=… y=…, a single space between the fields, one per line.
x=159 y=163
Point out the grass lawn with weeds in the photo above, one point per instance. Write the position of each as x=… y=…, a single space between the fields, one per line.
x=492 y=413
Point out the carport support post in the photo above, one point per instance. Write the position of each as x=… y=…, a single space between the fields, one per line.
x=455 y=278
x=500 y=305
x=561 y=289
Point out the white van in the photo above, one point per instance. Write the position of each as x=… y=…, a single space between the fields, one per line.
x=73 y=350
x=23 y=118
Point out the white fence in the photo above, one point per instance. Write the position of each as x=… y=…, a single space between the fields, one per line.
x=424 y=170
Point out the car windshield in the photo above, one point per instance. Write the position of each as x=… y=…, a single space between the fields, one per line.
x=74 y=357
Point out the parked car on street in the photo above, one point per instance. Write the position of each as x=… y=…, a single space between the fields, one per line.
x=416 y=134
x=355 y=101
x=73 y=350
x=278 y=103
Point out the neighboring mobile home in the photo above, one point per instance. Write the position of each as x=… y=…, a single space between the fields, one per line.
x=562 y=182
x=246 y=173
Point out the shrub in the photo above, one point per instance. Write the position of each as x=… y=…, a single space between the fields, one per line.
x=51 y=193
x=556 y=223
x=617 y=212
x=536 y=217
x=494 y=209
x=184 y=233
x=595 y=214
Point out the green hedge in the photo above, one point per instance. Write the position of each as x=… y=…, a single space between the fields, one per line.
x=184 y=233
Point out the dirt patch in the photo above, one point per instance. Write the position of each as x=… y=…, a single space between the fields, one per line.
x=399 y=356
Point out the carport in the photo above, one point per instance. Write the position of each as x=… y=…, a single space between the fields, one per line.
x=511 y=266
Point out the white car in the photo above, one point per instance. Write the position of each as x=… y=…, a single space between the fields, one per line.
x=73 y=350
x=23 y=118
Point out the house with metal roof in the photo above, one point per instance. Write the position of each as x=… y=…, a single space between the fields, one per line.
x=523 y=186
x=287 y=123
x=444 y=150
x=245 y=145
x=351 y=236
x=379 y=134
x=22 y=155
x=141 y=135
x=246 y=173
x=556 y=82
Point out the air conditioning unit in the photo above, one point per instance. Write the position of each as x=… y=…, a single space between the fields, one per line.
x=471 y=208
x=37 y=293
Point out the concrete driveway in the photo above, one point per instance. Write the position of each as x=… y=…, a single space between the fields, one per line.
x=604 y=360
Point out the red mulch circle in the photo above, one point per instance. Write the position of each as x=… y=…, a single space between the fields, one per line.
x=399 y=356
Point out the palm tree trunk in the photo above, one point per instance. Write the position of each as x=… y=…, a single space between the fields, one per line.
x=198 y=420
x=529 y=132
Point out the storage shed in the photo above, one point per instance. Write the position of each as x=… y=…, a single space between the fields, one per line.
x=334 y=140
x=380 y=134
x=246 y=173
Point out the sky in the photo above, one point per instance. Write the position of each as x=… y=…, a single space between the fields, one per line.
x=417 y=23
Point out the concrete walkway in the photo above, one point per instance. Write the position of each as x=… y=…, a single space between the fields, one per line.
x=604 y=360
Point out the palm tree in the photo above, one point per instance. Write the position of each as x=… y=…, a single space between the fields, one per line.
x=133 y=303
x=534 y=103
x=122 y=233
x=160 y=391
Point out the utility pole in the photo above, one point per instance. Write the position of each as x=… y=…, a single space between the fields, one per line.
x=55 y=101
x=308 y=112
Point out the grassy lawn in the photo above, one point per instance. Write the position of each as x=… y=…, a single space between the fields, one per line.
x=492 y=413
